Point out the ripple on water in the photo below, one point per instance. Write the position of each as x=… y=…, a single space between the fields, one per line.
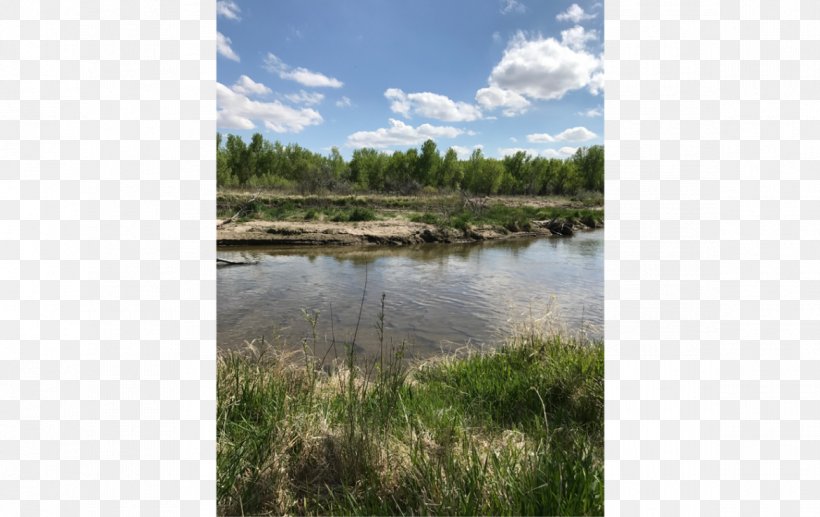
x=434 y=294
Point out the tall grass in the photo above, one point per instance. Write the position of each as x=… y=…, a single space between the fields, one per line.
x=518 y=430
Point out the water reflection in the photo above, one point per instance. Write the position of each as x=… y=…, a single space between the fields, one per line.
x=437 y=296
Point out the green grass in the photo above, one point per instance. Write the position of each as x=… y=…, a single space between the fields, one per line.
x=447 y=211
x=509 y=218
x=515 y=431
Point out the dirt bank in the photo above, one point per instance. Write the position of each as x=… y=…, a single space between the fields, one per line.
x=394 y=232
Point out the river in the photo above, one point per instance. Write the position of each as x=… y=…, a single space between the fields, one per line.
x=438 y=297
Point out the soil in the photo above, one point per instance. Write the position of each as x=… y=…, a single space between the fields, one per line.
x=386 y=232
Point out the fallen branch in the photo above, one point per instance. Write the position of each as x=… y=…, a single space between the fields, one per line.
x=232 y=263
x=241 y=210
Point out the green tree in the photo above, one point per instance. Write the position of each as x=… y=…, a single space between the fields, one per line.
x=237 y=158
x=224 y=177
x=450 y=173
x=428 y=164
x=472 y=171
x=367 y=168
x=589 y=163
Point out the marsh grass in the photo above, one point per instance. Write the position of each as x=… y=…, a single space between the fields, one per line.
x=517 y=430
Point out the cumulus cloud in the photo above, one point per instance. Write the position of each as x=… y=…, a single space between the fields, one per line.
x=576 y=38
x=431 y=105
x=301 y=75
x=596 y=83
x=512 y=6
x=400 y=133
x=223 y=47
x=575 y=14
x=464 y=152
x=247 y=86
x=344 y=102
x=592 y=112
x=306 y=98
x=228 y=9
x=494 y=97
x=573 y=134
x=236 y=111
x=544 y=68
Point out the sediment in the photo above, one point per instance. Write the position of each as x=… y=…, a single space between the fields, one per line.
x=384 y=233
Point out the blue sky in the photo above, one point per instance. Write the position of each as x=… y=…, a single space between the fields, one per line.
x=502 y=75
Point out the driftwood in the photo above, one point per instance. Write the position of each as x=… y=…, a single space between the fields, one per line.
x=242 y=209
x=474 y=204
x=232 y=263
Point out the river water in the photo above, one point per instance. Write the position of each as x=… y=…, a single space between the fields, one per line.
x=438 y=297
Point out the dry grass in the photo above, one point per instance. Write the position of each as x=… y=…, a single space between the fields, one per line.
x=518 y=430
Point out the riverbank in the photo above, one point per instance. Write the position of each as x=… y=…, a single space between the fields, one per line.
x=269 y=219
x=515 y=431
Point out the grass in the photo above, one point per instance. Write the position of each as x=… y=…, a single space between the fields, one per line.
x=511 y=213
x=518 y=430
x=510 y=218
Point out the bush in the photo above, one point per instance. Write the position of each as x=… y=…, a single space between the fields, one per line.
x=361 y=214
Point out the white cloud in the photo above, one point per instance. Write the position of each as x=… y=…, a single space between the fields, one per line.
x=544 y=69
x=228 y=9
x=573 y=134
x=596 y=83
x=495 y=97
x=301 y=75
x=247 y=86
x=513 y=140
x=400 y=133
x=592 y=112
x=496 y=36
x=576 y=38
x=464 y=152
x=431 y=105
x=306 y=98
x=562 y=153
x=400 y=103
x=223 y=47
x=344 y=102
x=575 y=13
x=237 y=111
x=512 y=6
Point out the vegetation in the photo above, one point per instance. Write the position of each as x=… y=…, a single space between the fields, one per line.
x=515 y=431
x=261 y=163
x=446 y=211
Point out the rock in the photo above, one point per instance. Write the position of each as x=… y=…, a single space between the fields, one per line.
x=428 y=236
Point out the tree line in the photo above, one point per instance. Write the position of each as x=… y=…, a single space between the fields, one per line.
x=261 y=163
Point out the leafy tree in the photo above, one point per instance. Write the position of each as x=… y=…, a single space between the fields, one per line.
x=237 y=158
x=262 y=163
x=519 y=169
x=589 y=163
x=367 y=169
x=472 y=170
x=337 y=163
x=451 y=173
x=428 y=164
x=400 y=172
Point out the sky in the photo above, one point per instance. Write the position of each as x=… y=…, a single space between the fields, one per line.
x=499 y=75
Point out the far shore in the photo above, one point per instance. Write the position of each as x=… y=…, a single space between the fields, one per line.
x=396 y=220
